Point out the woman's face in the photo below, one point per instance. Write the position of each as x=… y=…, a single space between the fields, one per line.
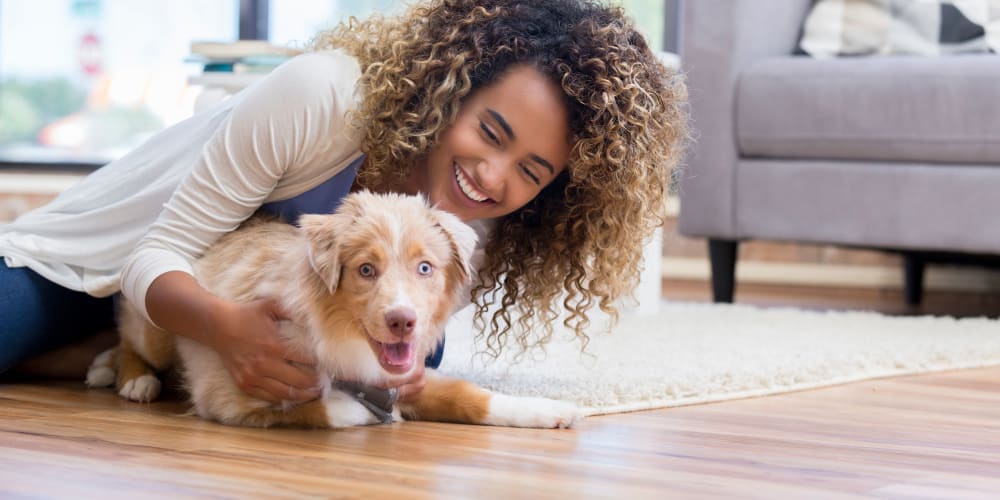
x=509 y=140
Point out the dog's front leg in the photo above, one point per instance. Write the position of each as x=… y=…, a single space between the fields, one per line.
x=334 y=410
x=451 y=400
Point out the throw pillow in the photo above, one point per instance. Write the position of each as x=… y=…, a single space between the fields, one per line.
x=897 y=27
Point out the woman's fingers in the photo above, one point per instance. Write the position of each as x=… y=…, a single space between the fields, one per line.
x=275 y=392
x=260 y=360
x=291 y=374
x=409 y=392
x=279 y=346
x=304 y=361
x=288 y=382
x=274 y=309
x=408 y=388
x=412 y=378
x=274 y=379
x=261 y=394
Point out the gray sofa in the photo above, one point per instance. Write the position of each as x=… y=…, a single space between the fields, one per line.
x=891 y=153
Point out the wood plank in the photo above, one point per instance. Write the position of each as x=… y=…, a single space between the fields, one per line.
x=935 y=435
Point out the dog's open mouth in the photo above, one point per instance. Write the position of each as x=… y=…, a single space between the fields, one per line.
x=395 y=358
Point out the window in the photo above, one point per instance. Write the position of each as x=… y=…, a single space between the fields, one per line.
x=84 y=81
x=294 y=22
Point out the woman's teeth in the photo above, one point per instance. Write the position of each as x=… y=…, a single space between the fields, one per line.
x=467 y=188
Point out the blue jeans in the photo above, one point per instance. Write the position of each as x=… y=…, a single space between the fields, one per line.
x=37 y=315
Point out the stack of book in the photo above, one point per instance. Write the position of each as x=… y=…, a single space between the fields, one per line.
x=241 y=56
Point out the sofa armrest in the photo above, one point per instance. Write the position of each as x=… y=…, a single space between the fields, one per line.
x=718 y=39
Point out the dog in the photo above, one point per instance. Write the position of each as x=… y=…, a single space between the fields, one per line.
x=368 y=290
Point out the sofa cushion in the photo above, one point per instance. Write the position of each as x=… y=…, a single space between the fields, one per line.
x=939 y=109
x=890 y=205
x=928 y=27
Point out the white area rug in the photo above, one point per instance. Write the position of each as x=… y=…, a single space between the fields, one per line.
x=696 y=353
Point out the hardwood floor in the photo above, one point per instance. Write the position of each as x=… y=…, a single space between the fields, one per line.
x=935 y=436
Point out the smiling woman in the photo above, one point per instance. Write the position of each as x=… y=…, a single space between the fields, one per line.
x=509 y=140
x=549 y=125
x=575 y=244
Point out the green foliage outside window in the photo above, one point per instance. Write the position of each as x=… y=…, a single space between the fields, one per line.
x=27 y=106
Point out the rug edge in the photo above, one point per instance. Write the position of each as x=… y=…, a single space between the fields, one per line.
x=590 y=411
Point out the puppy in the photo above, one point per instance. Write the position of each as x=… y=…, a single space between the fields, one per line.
x=368 y=290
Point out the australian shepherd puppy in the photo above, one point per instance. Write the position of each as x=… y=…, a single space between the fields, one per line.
x=368 y=290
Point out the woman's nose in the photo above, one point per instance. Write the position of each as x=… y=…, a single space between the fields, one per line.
x=491 y=174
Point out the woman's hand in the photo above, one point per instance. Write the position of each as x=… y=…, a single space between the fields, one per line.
x=246 y=337
x=262 y=365
x=410 y=387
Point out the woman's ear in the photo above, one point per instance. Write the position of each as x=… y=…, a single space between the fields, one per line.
x=323 y=246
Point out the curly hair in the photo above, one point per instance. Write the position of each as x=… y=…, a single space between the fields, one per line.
x=579 y=242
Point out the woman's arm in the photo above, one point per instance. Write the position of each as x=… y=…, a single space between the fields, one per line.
x=245 y=336
x=281 y=125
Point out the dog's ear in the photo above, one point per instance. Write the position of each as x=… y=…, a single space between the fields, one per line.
x=462 y=240
x=324 y=249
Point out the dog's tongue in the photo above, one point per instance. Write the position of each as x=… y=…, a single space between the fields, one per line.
x=398 y=355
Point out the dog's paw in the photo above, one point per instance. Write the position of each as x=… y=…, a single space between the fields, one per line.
x=101 y=372
x=100 y=376
x=344 y=411
x=142 y=389
x=511 y=411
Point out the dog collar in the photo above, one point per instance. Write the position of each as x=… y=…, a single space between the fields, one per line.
x=378 y=401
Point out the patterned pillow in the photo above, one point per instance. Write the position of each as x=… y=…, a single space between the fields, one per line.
x=912 y=27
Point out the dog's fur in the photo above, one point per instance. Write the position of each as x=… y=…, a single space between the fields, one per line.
x=358 y=326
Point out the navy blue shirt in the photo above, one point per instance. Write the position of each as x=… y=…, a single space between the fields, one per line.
x=322 y=199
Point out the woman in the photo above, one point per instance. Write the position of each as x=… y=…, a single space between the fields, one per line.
x=549 y=124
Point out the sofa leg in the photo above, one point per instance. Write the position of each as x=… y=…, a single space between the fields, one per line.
x=722 y=254
x=913 y=278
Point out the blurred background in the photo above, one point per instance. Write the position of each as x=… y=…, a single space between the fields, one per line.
x=84 y=81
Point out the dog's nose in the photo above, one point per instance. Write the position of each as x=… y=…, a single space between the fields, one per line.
x=401 y=321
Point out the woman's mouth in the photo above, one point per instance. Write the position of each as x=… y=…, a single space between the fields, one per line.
x=468 y=187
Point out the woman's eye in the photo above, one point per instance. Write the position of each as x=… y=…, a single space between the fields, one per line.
x=527 y=171
x=489 y=133
x=425 y=268
x=367 y=270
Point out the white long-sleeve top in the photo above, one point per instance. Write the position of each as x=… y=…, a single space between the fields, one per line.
x=158 y=208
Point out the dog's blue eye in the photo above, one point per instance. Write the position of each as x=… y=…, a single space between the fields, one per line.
x=424 y=268
x=367 y=270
